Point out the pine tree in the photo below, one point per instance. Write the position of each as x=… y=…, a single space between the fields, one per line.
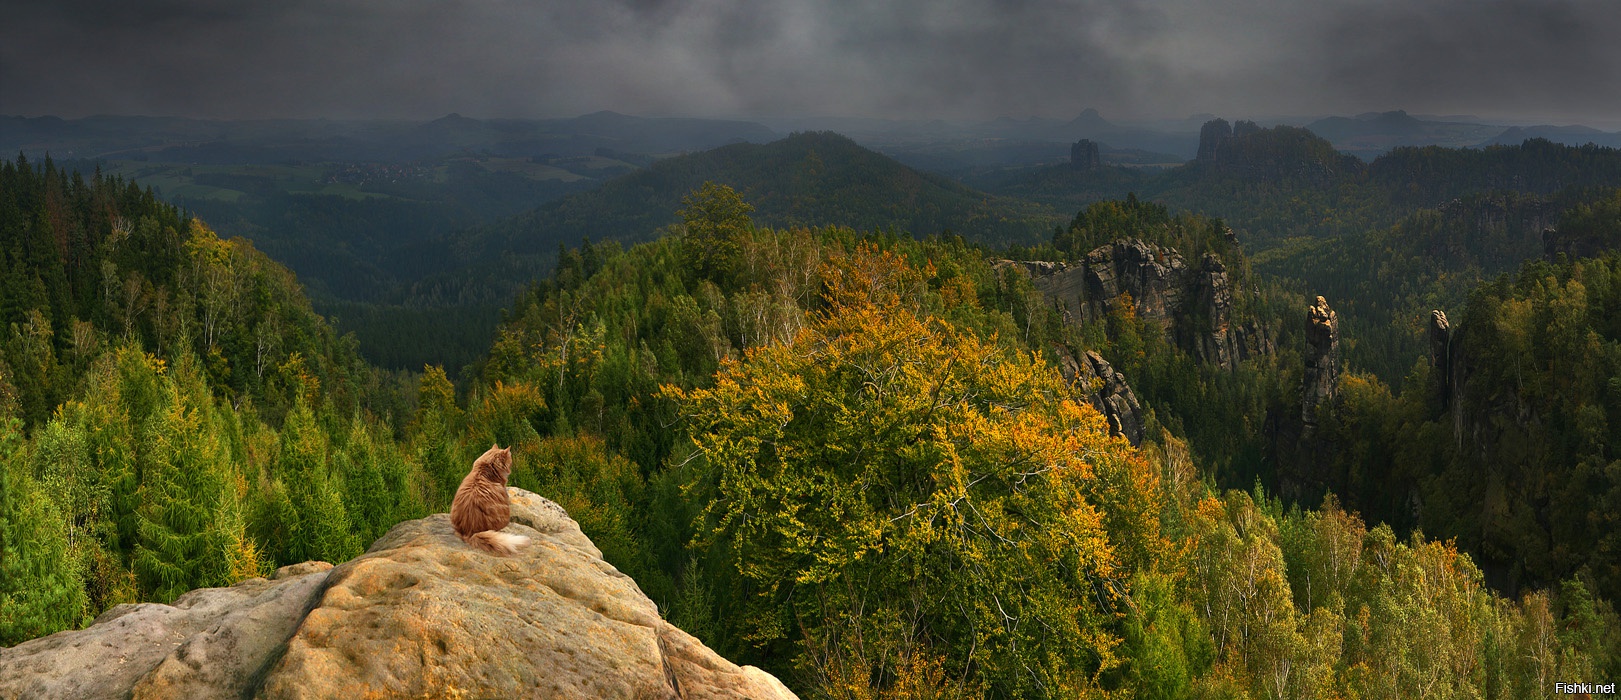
x=183 y=539
x=321 y=528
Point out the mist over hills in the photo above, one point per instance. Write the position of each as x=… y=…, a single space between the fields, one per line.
x=388 y=220
x=939 y=145
x=1371 y=134
x=173 y=139
x=806 y=179
x=1574 y=135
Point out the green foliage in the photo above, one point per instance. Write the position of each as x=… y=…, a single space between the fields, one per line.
x=1253 y=603
x=847 y=457
x=89 y=264
x=807 y=179
x=1430 y=259
x=1108 y=221
x=40 y=591
x=1165 y=640
x=380 y=486
x=183 y=522
x=145 y=356
x=1369 y=616
x=716 y=217
x=320 y=528
x=888 y=479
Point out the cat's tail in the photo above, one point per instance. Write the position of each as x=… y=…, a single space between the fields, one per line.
x=495 y=542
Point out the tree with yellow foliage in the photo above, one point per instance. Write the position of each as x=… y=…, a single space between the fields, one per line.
x=913 y=508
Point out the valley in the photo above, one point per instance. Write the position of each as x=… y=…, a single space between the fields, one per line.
x=1217 y=422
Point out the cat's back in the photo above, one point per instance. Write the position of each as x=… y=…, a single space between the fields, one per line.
x=479 y=505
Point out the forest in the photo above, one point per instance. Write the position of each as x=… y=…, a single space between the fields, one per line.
x=854 y=457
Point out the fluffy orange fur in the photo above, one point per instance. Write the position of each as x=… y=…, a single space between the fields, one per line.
x=481 y=508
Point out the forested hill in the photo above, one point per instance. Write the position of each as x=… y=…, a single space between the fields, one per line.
x=1432 y=258
x=851 y=458
x=89 y=265
x=1280 y=183
x=807 y=179
x=172 y=412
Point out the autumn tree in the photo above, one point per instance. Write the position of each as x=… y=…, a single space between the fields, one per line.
x=903 y=501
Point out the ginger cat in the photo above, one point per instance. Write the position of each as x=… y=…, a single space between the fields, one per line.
x=481 y=508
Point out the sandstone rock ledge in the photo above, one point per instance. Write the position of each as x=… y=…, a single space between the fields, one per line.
x=420 y=615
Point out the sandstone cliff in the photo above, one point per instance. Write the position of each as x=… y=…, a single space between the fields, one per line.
x=1084 y=155
x=420 y=615
x=1112 y=396
x=1282 y=152
x=1193 y=307
x=1322 y=371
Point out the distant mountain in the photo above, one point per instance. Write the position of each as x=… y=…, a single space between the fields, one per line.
x=1370 y=135
x=816 y=178
x=1280 y=153
x=1574 y=135
x=1233 y=158
x=176 y=140
x=1090 y=124
x=662 y=134
x=966 y=160
x=1431 y=176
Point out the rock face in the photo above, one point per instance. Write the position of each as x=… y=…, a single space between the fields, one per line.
x=1192 y=307
x=419 y=615
x=1441 y=353
x=1061 y=284
x=1113 y=396
x=1084 y=155
x=1322 y=360
x=1216 y=346
x=1118 y=402
x=1574 y=244
x=1246 y=150
x=1154 y=276
x=1212 y=336
x=1210 y=137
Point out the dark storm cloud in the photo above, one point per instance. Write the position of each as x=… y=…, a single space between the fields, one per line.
x=1525 y=55
x=911 y=58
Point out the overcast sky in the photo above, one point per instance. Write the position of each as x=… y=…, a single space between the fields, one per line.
x=1551 y=60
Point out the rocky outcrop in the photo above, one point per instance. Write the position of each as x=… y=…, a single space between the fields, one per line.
x=1084 y=155
x=1107 y=391
x=1441 y=353
x=1322 y=372
x=1062 y=284
x=1576 y=244
x=1193 y=308
x=1246 y=150
x=1211 y=135
x=1215 y=345
x=1155 y=277
x=419 y=615
x=1209 y=331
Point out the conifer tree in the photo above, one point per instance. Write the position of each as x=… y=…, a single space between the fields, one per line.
x=40 y=590
x=320 y=527
x=183 y=534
